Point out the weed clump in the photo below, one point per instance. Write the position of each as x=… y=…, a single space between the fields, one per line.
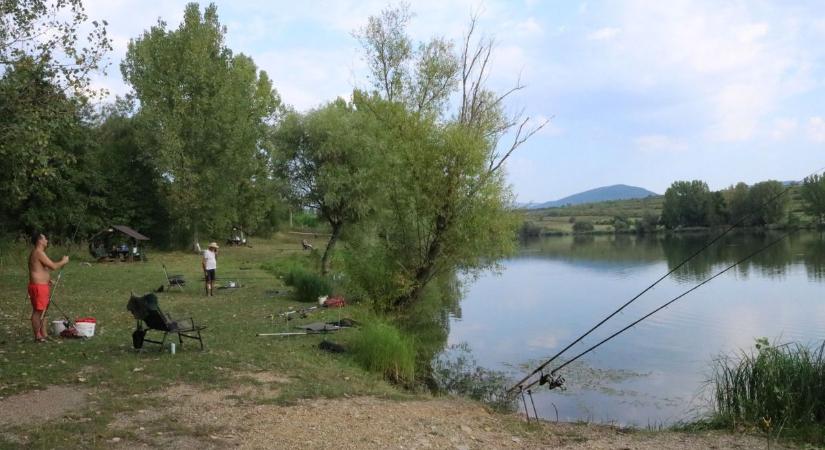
x=777 y=388
x=381 y=348
x=308 y=285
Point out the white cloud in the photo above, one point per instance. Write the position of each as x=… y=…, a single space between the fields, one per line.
x=783 y=128
x=816 y=129
x=657 y=143
x=603 y=34
x=530 y=27
x=735 y=66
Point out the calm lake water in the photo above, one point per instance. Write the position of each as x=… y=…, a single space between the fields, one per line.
x=556 y=288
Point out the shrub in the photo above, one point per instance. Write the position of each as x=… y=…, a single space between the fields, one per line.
x=308 y=285
x=379 y=347
x=583 y=226
x=529 y=229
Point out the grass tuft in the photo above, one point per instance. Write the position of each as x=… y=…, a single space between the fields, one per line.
x=381 y=348
x=308 y=285
x=777 y=388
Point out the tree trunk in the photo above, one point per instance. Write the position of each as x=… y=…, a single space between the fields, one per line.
x=336 y=233
x=425 y=271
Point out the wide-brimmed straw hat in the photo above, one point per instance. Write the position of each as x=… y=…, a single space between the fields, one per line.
x=213 y=245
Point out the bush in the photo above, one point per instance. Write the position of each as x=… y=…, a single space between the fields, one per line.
x=780 y=387
x=308 y=285
x=380 y=348
x=529 y=229
x=583 y=226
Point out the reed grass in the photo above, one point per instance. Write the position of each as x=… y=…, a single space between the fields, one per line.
x=777 y=388
x=381 y=348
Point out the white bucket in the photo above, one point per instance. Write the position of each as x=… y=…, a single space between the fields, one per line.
x=85 y=329
x=57 y=327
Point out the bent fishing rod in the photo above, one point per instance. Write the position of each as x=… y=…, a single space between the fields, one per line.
x=553 y=381
x=540 y=369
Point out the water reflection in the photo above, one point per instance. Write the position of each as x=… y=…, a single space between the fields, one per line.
x=557 y=288
x=603 y=251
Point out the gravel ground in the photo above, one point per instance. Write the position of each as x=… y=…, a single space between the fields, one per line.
x=242 y=418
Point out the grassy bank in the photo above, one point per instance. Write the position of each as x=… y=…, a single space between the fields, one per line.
x=121 y=376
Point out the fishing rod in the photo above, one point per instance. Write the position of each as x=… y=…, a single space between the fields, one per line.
x=651 y=286
x=53 y=302
x=558 y=381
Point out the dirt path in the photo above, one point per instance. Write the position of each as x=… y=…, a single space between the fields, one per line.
x=242 y=418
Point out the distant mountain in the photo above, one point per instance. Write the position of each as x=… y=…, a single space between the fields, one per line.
x=602 y=194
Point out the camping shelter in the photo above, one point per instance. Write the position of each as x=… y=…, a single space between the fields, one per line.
x=118 y=243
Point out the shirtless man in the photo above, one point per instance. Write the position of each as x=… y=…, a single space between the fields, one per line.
x=39 y=283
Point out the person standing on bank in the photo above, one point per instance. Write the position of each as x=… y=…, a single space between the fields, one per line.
x=40 y=281
x=210 y=264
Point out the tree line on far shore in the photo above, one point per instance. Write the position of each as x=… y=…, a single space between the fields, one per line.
x=693 y=204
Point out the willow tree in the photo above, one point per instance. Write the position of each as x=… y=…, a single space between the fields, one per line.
x=329 y=155
x=204 y=114
x=445 y=203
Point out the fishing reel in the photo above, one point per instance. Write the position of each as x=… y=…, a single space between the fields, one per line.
x=551 y=381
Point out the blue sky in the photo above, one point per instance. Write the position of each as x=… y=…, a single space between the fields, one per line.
x=639 y=92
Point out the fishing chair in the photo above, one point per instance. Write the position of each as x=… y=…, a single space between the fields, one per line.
x=173 y=280
x=147 y=311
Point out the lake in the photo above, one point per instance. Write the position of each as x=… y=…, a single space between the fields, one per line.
x=654 y=374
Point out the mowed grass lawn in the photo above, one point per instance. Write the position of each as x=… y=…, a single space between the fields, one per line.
x=120 y=377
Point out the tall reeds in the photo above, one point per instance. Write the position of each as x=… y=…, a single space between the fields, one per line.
x=379 y=347
x=775 y=387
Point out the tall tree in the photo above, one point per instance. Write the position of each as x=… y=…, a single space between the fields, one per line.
x=204 y=112
x=767 y=203
x=686 y=204
x=45 y=64
x=42 y=152
x=813 y=196
x=446 y=201
x=329 y=153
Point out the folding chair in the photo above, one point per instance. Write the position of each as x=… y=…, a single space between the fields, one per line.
x=147 y=311
x=174 y=280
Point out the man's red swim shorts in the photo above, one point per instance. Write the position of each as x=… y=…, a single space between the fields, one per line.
x=39 y=295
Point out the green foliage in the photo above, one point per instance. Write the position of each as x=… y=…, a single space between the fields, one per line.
x=813 y=196
x=583 y=226
x=44 y=154
x=620 y=224
x=305 y=220
x=529 y=229
x=767 y=202
x=778 y=386
x=647 y=223
x=308 y=285
x=379 y=347
x=757 y=205
x=692 y=204
x=457 y=372
x=204 y=119
x=328 y=156
x=46 y=34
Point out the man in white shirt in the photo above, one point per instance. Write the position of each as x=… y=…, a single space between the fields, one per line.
x=210 y=264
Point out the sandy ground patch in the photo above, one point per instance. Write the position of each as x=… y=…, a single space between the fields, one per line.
x=213 y=419
x=37 y=407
